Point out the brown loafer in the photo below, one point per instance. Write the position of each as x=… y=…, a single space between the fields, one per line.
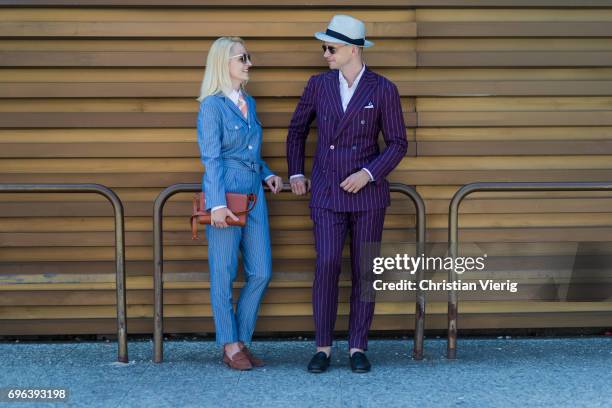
x=239 y=361
x=256 y=362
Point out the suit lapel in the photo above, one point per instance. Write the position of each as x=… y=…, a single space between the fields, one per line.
x=332 y=93
x=365 y=88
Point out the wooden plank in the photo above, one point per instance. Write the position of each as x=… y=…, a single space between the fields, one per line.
x=171 y=29
x=576 y=118
x=521 y=205
x=187 y=165
x=47 y=214
x=284 y=225
x=515 y=104
x=286 y=238
x=527 y=292
x=445 y=177
x=294 y=89
x=310 y=3
x=520 y=248
x=189 y=59
x=400 y=205
x=551 y=133
x=505 y=88
x=512 y=148
x=586 y=263
x=301 y=324
x=209 y=14
x=95 y=239
x=554 y=14
x=413 y=177
x=109 y=150
x=147 y=105
x=56 y=271
x=133 y=119
x=515 y=59
x=514 y=29
x=300 y=309
x=144 y=297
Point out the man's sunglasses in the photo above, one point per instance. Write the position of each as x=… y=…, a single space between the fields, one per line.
x=244 y=58
x=332 y=50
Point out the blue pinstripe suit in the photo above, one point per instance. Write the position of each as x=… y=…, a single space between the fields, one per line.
x=230 y=148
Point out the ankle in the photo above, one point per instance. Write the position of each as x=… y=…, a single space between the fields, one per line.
x=326 y=350
x=354 y=350
x=231 y=349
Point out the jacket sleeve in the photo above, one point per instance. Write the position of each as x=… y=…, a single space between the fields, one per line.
x=394 y=133
x=305 y=113
x=265 y=170
x=210 y=132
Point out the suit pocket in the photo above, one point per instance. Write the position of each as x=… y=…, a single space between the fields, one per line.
x=233 y=133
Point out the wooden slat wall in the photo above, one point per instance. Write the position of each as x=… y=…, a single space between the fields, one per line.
x=104 y=91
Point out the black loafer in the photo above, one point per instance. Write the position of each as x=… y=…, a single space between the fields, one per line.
x=360 y=363
x=319 y=363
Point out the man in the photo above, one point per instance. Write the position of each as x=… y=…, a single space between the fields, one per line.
x=352 y=105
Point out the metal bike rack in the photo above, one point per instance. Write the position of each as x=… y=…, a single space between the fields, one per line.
x=122 y=355
x=158 y=329
x=453 y=234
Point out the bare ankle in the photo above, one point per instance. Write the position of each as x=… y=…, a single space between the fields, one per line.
x=231 y=348
x=326 y=350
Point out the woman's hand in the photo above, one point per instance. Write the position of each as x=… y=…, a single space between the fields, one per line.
x=275 y=183
x=218 y=217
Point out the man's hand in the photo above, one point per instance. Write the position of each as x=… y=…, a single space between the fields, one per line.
x=300 y=185
x=355 y=182
x=275 y=183
x=219 y=215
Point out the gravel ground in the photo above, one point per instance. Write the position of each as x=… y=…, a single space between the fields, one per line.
x=503 y=372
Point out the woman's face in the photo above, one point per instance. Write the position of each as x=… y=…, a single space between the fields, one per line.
x=239 y=71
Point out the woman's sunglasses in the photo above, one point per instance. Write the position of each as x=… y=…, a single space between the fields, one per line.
x=332 y=50
x=244 y=58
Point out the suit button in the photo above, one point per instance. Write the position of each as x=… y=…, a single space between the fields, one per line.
x=362 y=122
x=236 y=127
x=332 y=147
x=354 y=147
x=250 y=147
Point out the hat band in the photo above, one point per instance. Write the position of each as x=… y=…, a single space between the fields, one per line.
x=343 y=37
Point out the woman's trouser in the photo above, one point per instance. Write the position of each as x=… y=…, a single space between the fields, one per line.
x=253 y=240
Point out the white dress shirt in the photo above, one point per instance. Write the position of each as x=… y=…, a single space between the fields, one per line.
x=234 y=95
x=346 y=93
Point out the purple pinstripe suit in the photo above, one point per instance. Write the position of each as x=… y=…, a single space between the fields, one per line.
x=347 y=142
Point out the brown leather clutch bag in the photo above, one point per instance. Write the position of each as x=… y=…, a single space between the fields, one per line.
x=239 y=204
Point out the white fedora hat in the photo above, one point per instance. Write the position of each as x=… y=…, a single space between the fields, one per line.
x=346 y=30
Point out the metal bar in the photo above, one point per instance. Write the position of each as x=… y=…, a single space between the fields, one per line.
x=419 y=319
x=158 y=319
x=453 y=232
x=122 y=354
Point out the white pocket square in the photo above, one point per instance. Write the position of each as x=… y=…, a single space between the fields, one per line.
x=369 y=106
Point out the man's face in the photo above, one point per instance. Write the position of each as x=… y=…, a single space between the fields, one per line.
x=337 y=55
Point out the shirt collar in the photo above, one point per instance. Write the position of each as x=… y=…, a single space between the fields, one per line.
x=233 y=95
x=343 y=80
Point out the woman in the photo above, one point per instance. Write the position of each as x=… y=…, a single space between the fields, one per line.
x=230 y=137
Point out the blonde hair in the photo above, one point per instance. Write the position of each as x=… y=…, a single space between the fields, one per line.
x=216 y=75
